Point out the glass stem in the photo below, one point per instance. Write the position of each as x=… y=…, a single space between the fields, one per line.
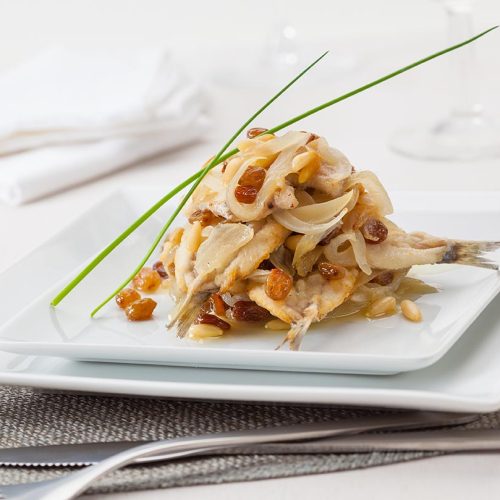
x=460 y=27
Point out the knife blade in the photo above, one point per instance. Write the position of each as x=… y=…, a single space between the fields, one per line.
x=81 y=454
x=444 y=440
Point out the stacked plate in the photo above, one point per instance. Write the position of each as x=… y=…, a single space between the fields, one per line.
x=449 y=361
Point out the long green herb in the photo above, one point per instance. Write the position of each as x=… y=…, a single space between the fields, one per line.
x=223 y=157
x=198 y=176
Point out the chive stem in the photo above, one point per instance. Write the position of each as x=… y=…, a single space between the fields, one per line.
x=197 y=181
x=198 y=176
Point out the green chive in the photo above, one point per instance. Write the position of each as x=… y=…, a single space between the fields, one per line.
x=196 y=177
x=221 y=157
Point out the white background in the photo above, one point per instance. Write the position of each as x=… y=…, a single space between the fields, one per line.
x=221 y=40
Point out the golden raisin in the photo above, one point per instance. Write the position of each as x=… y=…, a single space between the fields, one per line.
x=210 y=319
x=374 y=231
x=246 y=310
x=253 y=176
x=245 y=194
x=331 y=271
x=204 y=217
x=160 y=269
x=254 y=132
x=140 y=310
x=219 y=306
x=214 y=304
x=278 y=284
x=126 y=297
x=147 y=280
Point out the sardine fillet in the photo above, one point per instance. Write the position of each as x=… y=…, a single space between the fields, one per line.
x=265 y=241
x=314 y=290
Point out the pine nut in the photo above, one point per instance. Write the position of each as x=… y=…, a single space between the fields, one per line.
x=266 y=137
x=204 y=331
x=245 y=145
x=306 y=164
x=411 y=311
x=264 y=161
x=384 y=306
x=292 y=242
x=277 y=324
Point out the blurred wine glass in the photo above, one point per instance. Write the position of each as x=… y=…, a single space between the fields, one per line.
x=467 y=132
x=286 y=52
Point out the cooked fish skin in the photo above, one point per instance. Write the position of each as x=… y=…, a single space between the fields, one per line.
x=213 y=255
x=310 y=300
x=264 y=242
x=218 y=208
x=168 y=251
x=403 y=250
x=285 y=198
x=185 y=255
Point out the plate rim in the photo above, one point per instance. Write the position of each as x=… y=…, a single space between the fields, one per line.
x=413 y=362
x=402 y=398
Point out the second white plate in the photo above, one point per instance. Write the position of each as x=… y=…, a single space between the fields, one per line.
x=357 y=346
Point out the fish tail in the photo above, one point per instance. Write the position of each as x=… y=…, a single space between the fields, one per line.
x=471 y=253
x=186 y=312
x=299 y=328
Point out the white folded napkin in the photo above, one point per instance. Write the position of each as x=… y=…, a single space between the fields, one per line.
x=68 y=116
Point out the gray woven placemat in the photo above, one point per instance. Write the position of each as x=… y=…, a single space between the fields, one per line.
x=33 y=418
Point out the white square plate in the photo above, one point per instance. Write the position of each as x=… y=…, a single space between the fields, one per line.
x=466 y=379
x=384 y=346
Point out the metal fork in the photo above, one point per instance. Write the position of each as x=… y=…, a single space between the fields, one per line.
x=71 y=485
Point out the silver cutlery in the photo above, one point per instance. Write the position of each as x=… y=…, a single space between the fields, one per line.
x=450 y=441
x=73 y=484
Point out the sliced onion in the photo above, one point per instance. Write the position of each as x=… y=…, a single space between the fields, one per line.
x=304 y=198
x=375 y=189
x=333 y=254
x=309 y=241
x=278 y=144
x=359 y=249
x=333 y=158
x=356 y=254
x=316 y=219
x=322 y=212
x=286 y=219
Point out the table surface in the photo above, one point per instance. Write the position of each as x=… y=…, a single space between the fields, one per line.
x=360 y=128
